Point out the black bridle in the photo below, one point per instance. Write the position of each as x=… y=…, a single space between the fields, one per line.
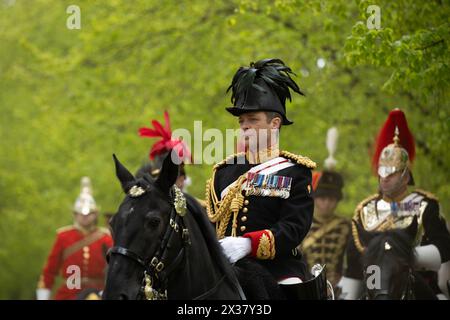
x=158 y=268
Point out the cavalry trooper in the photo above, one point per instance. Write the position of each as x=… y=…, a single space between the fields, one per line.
x=78 y=254
x=260 y=200
x=395 y=206
x=326 y=241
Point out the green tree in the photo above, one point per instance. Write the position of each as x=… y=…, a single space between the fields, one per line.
x=71 y=98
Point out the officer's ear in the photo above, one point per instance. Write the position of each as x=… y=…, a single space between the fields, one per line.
x=276 y=123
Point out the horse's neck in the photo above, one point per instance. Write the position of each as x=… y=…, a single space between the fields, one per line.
x=198 y=272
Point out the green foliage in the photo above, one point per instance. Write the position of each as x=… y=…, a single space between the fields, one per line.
x=71 y=98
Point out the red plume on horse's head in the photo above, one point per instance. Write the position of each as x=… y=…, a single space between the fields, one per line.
x=166 y=143
x=396 y=119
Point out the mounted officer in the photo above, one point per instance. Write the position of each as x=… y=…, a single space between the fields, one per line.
x=395 y=206
x=260 y=199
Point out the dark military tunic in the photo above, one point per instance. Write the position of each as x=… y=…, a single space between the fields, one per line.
x=275 y=225
x=376 y=214
x=325 y=244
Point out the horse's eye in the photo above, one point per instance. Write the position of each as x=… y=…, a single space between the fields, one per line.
x=153 y=222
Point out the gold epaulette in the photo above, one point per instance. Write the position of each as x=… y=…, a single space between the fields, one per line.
x=65 y=228
x=358 y=244
x=227 y=159
x=299 y=159
x=427 y=194
x=364 y=202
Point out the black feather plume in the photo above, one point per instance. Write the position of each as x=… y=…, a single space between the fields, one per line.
x=272 y=71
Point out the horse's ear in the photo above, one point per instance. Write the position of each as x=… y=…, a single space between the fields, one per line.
x=125 y=177
x=169 y=172
x=411 y=230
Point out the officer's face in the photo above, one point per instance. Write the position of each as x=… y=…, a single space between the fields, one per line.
x=257 y=130
x=394 y=184
x=325 y=206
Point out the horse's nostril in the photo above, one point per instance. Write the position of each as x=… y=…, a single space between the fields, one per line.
x=123 y=296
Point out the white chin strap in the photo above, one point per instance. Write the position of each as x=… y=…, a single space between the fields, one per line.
x=351 y=289
x=427 y=257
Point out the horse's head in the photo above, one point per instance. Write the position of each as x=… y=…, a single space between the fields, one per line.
x=145 y=227
x=389 y=256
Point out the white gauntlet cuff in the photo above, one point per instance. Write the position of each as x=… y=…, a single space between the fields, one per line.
x=43 y=294
x=351 y=289
x=427 y=257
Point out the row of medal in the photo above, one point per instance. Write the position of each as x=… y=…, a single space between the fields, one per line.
x=268 y=185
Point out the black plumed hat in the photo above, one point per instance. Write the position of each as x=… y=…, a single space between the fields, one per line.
x=263 y=86
x=327 y=184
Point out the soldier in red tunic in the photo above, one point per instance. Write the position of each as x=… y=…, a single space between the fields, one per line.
x=78 y=254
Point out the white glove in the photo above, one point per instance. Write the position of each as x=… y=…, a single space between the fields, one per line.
x=427 y=257
x=351 y=289
x=444 y=278
x=43 y=294
x=235 y=248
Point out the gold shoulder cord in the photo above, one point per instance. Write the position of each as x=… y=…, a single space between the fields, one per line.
x=356 y=239
x=427 y=194
x=219 y=212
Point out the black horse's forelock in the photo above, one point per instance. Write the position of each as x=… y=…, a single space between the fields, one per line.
x=401 y=247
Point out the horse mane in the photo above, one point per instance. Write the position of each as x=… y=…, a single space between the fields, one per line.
x=199 y=215
x=400 y=242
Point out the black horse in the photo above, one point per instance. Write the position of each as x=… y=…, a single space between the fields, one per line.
x=393 y=253
x=165 y=247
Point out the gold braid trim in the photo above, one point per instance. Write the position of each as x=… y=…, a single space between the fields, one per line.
x=427 y=194
x=356 y=239
x=299 y=159
x=365 y=201
x=356 y=218
x=266 y=246
x=219 y=212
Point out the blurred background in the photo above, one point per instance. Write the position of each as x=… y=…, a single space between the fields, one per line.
x=69 y=98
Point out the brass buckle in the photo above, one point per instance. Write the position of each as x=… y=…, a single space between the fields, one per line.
x=173 y=225
x=159 y=266
x=154 y=262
